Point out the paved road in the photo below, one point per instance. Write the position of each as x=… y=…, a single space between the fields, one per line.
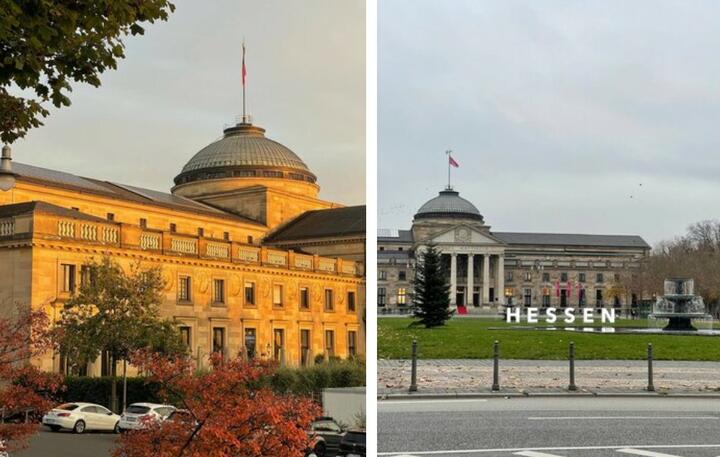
x=67 y=444
x=550 y=427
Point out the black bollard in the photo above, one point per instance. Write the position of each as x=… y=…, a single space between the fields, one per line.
x=650 y=386
x=496 y=366
x=413 y=373
x=572 y=387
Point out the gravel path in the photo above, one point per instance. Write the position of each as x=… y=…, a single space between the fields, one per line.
x=458 y=376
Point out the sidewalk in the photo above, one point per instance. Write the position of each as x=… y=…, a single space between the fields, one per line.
x=541 y=377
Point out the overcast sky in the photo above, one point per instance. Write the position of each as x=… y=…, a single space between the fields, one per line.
x=180 y=84
x=565 y=116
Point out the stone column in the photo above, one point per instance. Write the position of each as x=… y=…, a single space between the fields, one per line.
x=453 y=278
x=469 y=291
x=501 y=279
x=486 y=280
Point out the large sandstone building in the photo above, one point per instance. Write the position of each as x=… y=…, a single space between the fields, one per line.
x=253 y=261
x=488 y=270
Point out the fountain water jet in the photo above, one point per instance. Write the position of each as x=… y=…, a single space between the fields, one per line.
x=679 y=305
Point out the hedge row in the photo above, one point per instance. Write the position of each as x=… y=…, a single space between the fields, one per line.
x=299 y=381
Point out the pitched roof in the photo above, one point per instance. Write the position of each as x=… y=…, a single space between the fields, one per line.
x=403 y=236
x=323 y=223
x=120 y=191
x=563 y=239
x=17 y=209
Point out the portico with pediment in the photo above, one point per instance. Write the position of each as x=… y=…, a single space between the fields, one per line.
x=475 y=260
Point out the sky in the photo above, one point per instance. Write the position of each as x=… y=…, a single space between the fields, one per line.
x=180 y=85
x=565 y=116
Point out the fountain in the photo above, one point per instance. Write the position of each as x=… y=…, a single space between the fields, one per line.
x=679 y=305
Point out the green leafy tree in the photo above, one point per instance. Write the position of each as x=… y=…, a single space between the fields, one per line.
x=46 y=44
x=116 y=313
x=430 y=290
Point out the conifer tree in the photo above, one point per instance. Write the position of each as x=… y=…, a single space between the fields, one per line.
x=431 y=297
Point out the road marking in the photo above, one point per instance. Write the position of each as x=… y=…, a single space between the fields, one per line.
x=570 y=448
x=645 y=453
x=535 y=454
x=405 y=402
x=562 y=418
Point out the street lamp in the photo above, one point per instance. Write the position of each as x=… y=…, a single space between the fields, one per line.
x=7 y=177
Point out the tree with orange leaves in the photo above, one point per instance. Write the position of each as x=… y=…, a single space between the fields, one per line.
x=25 y=391
x=226 y=412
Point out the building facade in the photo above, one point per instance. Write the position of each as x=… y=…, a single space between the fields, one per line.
x=239 y=278
x=488 y=270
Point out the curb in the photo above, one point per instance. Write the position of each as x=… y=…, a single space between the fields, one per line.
x=471 y=395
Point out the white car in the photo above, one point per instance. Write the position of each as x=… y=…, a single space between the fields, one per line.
x=137 y=414
x=80 y=417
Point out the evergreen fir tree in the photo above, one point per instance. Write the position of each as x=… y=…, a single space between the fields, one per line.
x=430 y=290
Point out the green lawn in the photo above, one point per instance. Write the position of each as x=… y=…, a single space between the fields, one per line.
x=472 y=339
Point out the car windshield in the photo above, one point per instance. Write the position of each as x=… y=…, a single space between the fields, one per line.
x=137 y=409
x=68 y=406
x=354 y=437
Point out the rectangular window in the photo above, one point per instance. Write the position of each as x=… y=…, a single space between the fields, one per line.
x=219 y=339
x=250 y=342
x=599 y=278
x=201 y=231
x=330 y=343
x=279 y=345
x=173 y=228
x=143 y=222
x=563 y=297
x=527 y=298
x=219 y=291
x=184 y=285
x=277 y=295
x=249 y=294
x=329 y=300
x=401 y=296
x=617 y=277
x=351 y=301
x=68 y=272
x=528 y=276
x=581 y=297
x=599 y=298
x=546 y=300
x=226 y=236
x=110 y=216
x=87 y=276
x=382 y=275
x=304 y=298
x=250 y=239
x=186 y=335
x=352 y=343
x=563 y=277
x=304 y=347
x=546 y=277
x=508 y=276
x=581 y=277
x=381 y=296
x=402 y=275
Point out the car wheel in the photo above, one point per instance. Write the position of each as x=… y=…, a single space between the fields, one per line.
x=117 y=430
x=55 y=428
x=320 y=449
x=79 y=427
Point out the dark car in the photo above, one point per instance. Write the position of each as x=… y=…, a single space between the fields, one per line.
x=352 y=444
x=327 y=435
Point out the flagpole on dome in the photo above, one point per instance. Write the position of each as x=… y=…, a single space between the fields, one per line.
x=448 y=152
x=244 y=75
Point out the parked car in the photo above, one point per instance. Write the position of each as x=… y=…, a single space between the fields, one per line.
x=352 y=444
x=326 y=435
x=81 y=417
x=137 y=415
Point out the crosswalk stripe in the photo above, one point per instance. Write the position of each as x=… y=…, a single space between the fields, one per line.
x=535 y=454
x=645 y=453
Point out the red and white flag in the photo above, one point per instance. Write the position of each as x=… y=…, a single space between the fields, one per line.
x=244 y=70
x=452 y=162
